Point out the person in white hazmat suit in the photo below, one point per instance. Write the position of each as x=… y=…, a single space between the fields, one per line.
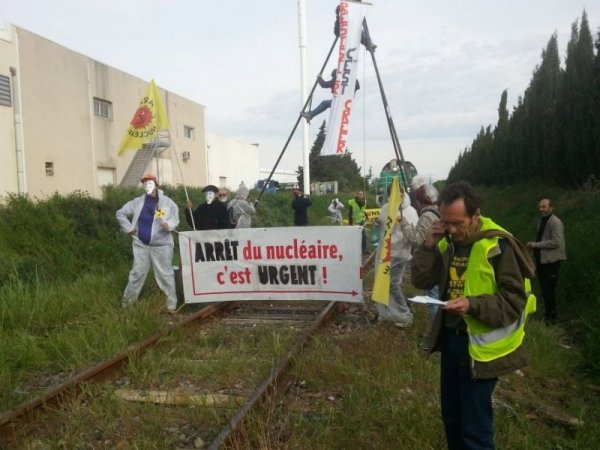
x=241 y=209
x=397 y=310
x=335 y=211
x=150 y=219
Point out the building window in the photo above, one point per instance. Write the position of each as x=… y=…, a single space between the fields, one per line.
x=49 y=168
x=188 y=132
x=102 y=108
x=5 y=91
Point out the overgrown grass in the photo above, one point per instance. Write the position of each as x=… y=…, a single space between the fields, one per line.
x=58 y=329
x=65 y=264
x=57 y=238
x=235 y=358
x=578 y=290
x=211 y=359
x=373 y=388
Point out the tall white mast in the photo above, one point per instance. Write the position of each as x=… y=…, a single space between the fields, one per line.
x=302 y=41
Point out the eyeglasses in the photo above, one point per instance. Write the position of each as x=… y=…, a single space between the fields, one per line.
x=222 y=195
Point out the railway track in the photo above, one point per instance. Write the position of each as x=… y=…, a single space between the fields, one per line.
x=202 y=375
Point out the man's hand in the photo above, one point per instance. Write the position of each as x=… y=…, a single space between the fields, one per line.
x=132 y=232
x=530 y=245
x=188 y=204
x=435 y=234
x=165 y=225
x=458 y=306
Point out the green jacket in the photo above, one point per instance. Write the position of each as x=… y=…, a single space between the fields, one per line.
x=505 y=306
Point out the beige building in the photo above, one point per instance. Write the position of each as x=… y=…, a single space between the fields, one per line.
x=63 y=115
x=231 y=161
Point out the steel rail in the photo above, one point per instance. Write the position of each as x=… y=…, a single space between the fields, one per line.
x=268 y=385
x=29 y=409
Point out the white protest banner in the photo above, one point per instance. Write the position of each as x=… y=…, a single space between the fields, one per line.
x=290 y=263
x=351 y=17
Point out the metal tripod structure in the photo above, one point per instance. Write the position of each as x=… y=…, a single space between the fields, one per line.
x=388 y=114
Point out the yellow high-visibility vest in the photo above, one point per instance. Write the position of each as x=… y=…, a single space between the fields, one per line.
x=358 y=212
x=487 y=343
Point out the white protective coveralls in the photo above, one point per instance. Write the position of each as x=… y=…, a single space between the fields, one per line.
x=241 y=208
x=158 y=253
x=335 y=211
x=397 y=310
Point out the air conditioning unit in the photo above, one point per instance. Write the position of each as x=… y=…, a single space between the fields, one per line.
x=185 y=155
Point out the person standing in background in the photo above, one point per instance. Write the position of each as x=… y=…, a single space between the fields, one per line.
x=240 y=209
x=549 y=250
x=210 y=215
x=335 y=211
x=426 y=197
x=223 y=197
x=300 y=205
x=357 y=216
x=397 y=309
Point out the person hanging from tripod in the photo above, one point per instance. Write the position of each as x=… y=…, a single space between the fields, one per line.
x=365 y=38
x=325 y=104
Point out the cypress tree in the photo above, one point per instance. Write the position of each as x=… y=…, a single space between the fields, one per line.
x=500 y=144
x=544 y=89
x=553 y=131
x=596 y=108
x=576 y=106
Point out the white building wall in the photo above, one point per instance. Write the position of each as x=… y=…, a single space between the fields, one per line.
x=53 y=117
x=57 y=87
x=8 y=155
x=231 y=161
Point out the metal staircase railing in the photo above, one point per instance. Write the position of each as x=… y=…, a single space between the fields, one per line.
x=142 y=159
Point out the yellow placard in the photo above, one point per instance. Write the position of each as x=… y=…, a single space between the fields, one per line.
x=372 y=214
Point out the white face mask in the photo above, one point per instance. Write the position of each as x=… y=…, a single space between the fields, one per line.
x=210 y=196
x=149 y=186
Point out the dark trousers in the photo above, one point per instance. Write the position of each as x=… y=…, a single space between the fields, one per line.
x=323 y=106
x=466 y=403
x=548 y=276
x=363 y=240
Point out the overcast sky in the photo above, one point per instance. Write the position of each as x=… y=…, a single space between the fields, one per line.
x=444 y=63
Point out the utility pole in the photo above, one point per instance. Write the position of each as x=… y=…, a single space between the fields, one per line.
x=302 y=42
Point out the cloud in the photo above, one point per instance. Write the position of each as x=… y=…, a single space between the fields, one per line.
x=443 y=64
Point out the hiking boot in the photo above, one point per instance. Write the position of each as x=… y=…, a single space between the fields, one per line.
x=371 y=47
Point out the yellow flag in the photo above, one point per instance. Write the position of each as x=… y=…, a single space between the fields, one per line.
x=381 y=286
x=147 y=121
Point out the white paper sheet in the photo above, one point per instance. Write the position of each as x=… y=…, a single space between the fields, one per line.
x=427 y=299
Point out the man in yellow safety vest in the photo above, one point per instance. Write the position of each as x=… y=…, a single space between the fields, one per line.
x=483 y=273
x=357 y=215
